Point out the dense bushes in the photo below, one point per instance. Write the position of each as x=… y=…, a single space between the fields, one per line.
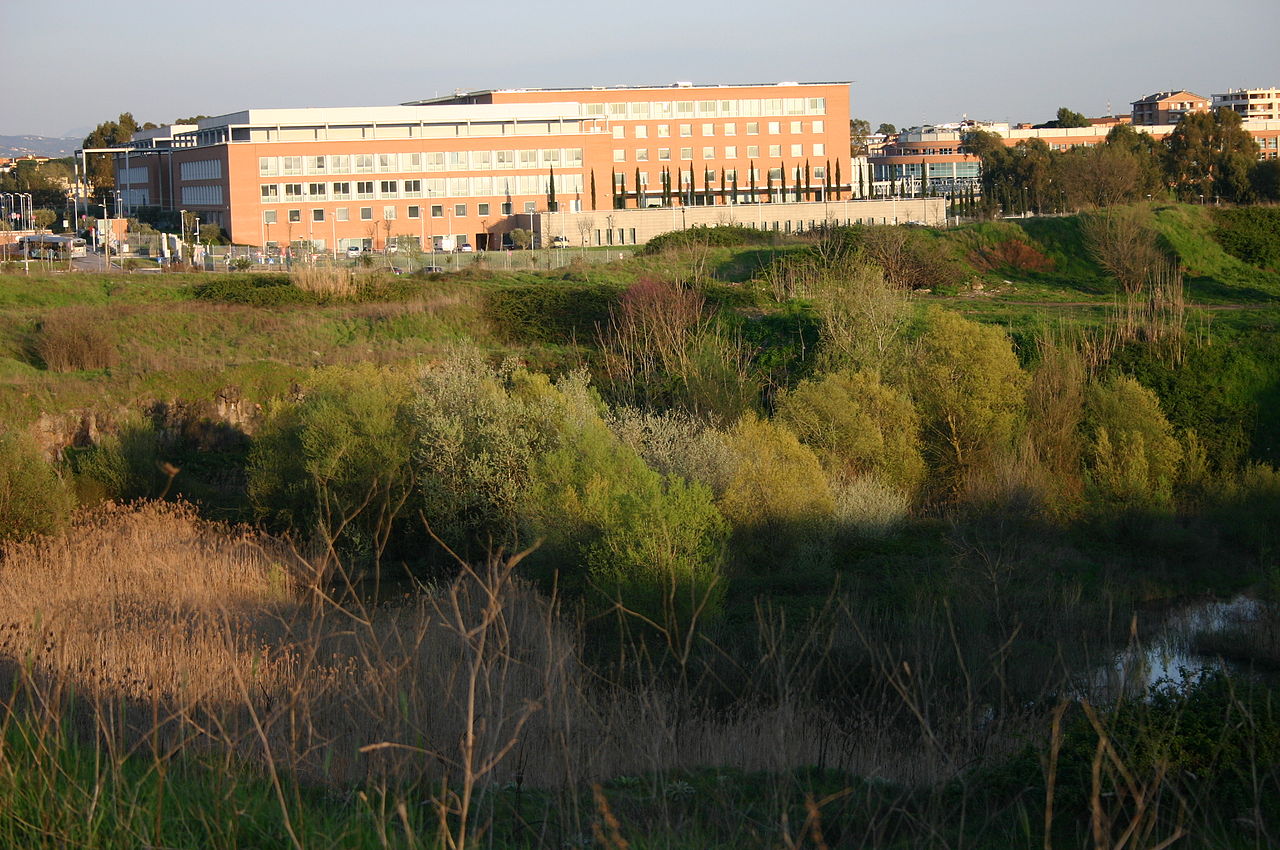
x=70 y=341
x=33 y=500
x=1251 y=234
x=720 y=236
x=253 y=290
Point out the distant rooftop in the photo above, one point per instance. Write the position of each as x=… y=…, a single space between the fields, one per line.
x=460 y=93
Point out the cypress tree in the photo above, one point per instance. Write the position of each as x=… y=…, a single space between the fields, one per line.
x=593 y=188
x=639 y=203
x=808 y=182
x=751 y=176
x=551 y=191
x=839 y=190
x=679 y=185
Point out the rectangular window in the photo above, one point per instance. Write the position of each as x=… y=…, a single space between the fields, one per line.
x=664 y=131
x=388 y=188
x=504 y=159
x=268 y=216
x=270 y=193
x=731 y=152
x=482 y=209
x=708 y=153
x=708 y=129
x=775 y=173
x=364 y=190
x=342 y=214
x=267 y=166
x=819 y=127
x=775 y=150
x=342 y=191
x=317 y=215
x=686 y=153
x=366 y=213
x=437 y=210
x=819 y=149
x=753 y=151
x=386 y=162
x=530 y=207
x=364 y=163
x=415 y=212
x=460 y=209
x=315 y=165
x=291 y=164
x=388 y=213
x=619 y=156
x=642 y=132
x=775 y=127
x=642 y=155
x=730 y=174
x=753 y=128
x=619 y=132
x=316 y=190
x=292 y=191
x=731 y=129
x=295 y=215
x=506 y=208
x=664 y=153
x=686 y=130
x=797 y=126
x=340 y=164
x=797 y=150
x=413 y=188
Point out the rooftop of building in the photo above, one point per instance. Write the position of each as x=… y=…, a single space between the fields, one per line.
x=679 y=85
x=1166 y=95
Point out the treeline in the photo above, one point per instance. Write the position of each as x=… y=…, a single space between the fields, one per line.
x=1209 y=156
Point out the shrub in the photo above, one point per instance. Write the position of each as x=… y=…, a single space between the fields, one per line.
x=776 y=496
x=857 y=426
x=324 y=282
x=338 y=461
x=124 y=465
x=254 y=290
x=866 y=506
x=549 y=312
x=721 y=235
x=72 y=340
x=650 y=543
x=33 y=499
x=969 y=390
x=1251 y=234
x=1135 y=453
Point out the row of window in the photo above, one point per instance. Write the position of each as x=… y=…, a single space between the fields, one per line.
x=727 y=176
x=438 y=187
x=641 y=131
x=730 y=152
x=391 y=213
x=385 y=163
x=748 y=108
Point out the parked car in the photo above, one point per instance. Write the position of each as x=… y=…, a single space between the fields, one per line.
x=353 y=252
x=465 y=248
x=432 y=270
x=560 y=242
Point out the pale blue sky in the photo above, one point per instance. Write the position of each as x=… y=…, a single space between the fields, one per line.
x=911 y=62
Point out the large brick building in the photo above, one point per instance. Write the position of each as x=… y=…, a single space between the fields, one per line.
x=461 y=169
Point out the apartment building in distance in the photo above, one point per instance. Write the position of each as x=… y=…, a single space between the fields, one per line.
x=466 y=169
x=1167 y=107
x=1251 y=104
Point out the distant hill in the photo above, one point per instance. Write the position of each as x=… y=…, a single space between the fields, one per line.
x=38 y=145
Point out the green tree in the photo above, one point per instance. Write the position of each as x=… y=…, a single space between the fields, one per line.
x=1265 y=178
x=33 y=499
x=1135 y=453
x=857 y=426
x=859 y=130
x=1067 y=118
x=107 y=134
x=337 y=463
x=887 y=130
x=776 y=496
x=1210 y=153
x=970 y=392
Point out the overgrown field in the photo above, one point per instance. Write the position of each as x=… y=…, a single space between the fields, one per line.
x=840 y=539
